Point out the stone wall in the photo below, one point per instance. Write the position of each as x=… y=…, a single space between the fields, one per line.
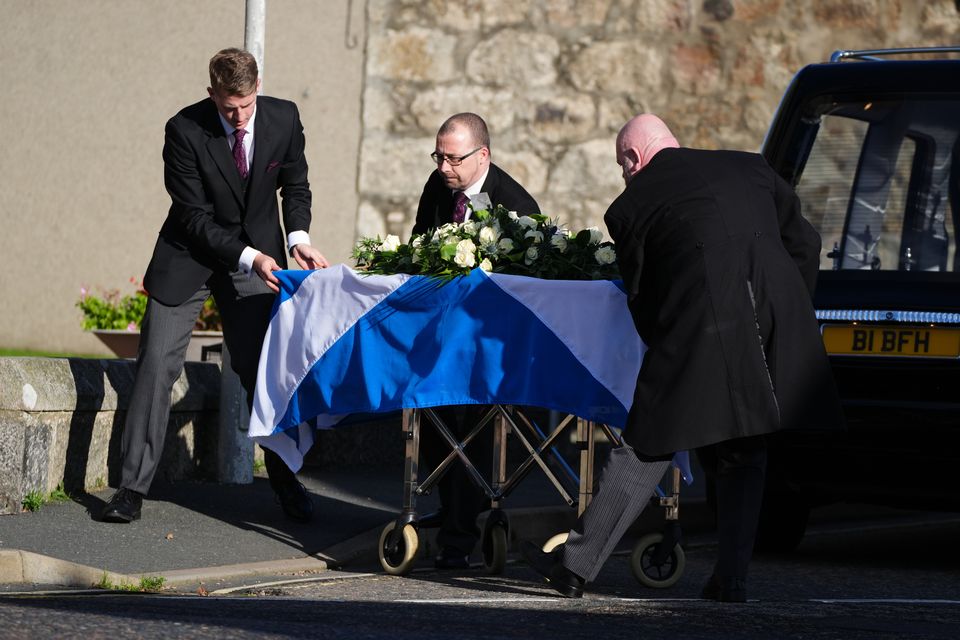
x=555 y=80
x=61 y=422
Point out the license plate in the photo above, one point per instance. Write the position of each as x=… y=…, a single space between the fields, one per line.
x=892 y=340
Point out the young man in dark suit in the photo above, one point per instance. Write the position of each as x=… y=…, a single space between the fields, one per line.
x=464 y=171
x=719 y=269
x=225 y=158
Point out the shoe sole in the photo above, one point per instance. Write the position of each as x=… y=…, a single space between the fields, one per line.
x=566 y=590
x=301 y=520
x=116 y=518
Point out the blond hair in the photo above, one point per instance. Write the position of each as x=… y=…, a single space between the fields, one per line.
x=233 y=72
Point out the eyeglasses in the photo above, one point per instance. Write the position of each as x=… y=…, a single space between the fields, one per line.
x=453 y=161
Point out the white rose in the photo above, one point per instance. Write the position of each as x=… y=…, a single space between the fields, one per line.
x=486 y=265
x=596 y=236
x=605 y=255
x=505 y=245
x=466 y=254
x=512 y=215
x=536 y=235
x=447 y=230
x=531 y=255
x=488 y=235
x=392 y=243
x=558 y=242
x=417 y=242
x=527 y=222
x=469 y=227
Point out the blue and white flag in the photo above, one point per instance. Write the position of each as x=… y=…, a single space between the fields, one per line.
x=341 y=343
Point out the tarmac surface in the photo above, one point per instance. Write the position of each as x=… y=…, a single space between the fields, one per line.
x=214 y=535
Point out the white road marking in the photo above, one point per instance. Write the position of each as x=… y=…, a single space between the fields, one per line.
x=882 y=601
x=328 y=577
x=478 y=600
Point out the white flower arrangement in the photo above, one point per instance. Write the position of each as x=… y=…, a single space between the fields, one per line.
x=496 y=240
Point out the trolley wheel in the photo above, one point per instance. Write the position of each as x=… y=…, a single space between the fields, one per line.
x=399 y=561
x=656 y=576
x=555 y=541
x=495 y=549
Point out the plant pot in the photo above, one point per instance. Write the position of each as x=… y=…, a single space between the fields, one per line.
x=124 y=343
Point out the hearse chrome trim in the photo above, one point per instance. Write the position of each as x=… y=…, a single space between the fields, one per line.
x=874 y=315
x=871 y=54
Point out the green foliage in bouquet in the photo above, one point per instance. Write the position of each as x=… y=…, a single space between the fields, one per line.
x=110 y=310
x=497 y=241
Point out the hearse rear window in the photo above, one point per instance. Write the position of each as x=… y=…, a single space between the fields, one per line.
x=880 y=183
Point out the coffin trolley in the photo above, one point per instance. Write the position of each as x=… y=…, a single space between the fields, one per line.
x=657 y=560
x=340 y=343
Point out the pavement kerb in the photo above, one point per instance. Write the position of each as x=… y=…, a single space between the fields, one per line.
x=24 y=567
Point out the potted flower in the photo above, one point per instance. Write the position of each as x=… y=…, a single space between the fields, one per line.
x=115 y=319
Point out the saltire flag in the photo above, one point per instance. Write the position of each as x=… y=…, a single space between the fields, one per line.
x=342 y=343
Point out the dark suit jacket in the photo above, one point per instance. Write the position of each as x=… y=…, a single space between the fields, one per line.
x=436 y=201
x=719 y=268
x=211 y=217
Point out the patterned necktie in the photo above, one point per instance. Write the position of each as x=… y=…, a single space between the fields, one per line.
x=239 y=154
x=460 y=207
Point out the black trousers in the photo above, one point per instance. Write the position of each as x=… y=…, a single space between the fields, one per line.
x=245 y=303
x=627 y=481
x=738 y=470
x=461 y=500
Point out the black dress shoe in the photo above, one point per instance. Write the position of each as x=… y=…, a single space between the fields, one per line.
x=450 y=558
x=295 y=501
x=123 y=507
x=726 y=590
x=565 y=582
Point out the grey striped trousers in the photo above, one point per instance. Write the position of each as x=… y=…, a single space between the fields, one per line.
x=626 y=484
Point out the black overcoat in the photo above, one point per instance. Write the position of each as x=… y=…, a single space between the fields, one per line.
x=719 y=268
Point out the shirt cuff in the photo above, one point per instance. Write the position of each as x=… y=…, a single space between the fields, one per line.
x=297 y=237
x=246 y=260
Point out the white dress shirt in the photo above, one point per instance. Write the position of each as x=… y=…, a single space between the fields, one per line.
x=472 y=190
x=294 y=237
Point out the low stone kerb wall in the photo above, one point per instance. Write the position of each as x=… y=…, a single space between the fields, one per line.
x=61 y=421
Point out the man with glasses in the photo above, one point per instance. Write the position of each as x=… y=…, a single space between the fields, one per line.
x=464 y=171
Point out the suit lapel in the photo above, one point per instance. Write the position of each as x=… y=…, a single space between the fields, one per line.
x=219 y=149
x=491 y=185
x=444 y=205
x=262 y=151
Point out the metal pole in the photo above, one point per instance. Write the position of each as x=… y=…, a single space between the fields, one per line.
x=235 y=450
x=254 y=32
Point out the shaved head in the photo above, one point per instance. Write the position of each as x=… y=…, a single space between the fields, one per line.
x=639 y=140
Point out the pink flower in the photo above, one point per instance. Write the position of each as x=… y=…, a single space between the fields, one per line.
x=132 y=326
x=83 y=294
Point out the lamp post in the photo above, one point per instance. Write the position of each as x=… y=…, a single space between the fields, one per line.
x=235 y=453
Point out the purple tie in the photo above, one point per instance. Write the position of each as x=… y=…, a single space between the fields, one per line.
x=239 y=155
x=460 y=207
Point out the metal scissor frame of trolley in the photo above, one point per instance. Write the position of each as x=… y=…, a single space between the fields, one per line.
x=658 y=559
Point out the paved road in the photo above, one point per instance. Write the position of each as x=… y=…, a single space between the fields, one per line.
x=886 y=579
